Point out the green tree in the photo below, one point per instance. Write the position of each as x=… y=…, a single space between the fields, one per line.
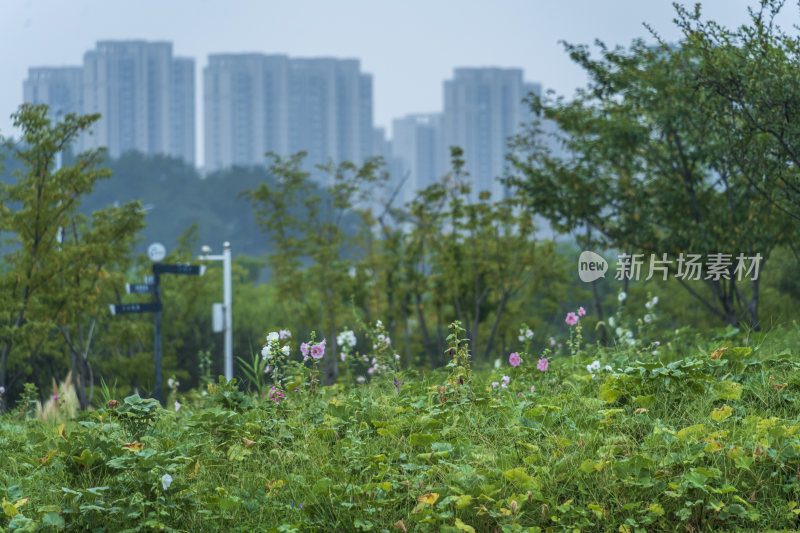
x=649 y=171
x=56 y=277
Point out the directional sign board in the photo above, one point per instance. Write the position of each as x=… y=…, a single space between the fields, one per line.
x=140 y=288
x=193 y=270
x=127 y=309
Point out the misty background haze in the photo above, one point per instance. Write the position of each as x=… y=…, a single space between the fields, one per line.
x=409 y=48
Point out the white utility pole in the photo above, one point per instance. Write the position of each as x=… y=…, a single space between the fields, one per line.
x=227 y=298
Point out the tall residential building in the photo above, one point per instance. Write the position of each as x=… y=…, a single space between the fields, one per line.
x=483 y=107
x=256 y=103
x=244 y=107
x=417 y=140
x=145 y=97
x=58 y=87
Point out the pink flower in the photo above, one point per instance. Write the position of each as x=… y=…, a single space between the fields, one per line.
x=572 y=318
x=552 y=341
x=318 y=350
x=276 y=395
x=533 y=389
x=542 y=364
x=513 y=359
x=581 y=311
x=55 y=397
x=304 y=349
x=495 y=384
x=506 y=380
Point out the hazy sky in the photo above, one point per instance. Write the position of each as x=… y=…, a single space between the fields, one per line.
x=409 y=46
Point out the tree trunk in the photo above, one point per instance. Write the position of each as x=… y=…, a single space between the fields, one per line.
x=500 y=309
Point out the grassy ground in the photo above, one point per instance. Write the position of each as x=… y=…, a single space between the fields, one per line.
x=696 y=438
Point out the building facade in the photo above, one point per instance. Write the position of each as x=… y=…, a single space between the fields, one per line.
x=60 y=88
x=483 y=108
x=257 y=103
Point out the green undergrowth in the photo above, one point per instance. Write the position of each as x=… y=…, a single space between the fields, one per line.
x=704 y=440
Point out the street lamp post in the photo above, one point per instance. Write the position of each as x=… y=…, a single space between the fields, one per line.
x=227 y=295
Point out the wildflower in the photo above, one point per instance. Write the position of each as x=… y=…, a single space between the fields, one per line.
x=297 y=389
x=611 y=321
x=513 y=359
x=495 y=384
x=273 y=336
x=621 y=296
x=497 y=363
x=506 y=380
x=529 y=334
x=378 y=324
x=533 y=389
x=397 y=356
x=266 y=352
x=55 y=397
x=276 y=395
x=542 y=364
x=284 y=334
x=572 y=318
x=2 y=390
x=346 y=339
x=170 y=382
x=343 y=357
x=648 y=305
x=552 y=341
x=560 y=345
x=656 y=343
x=608 y=368
x=581 y=311
x=371 y=370
x=177 y=405
x=286 y=350
x=166 y=481
x=593 y=367
x=397 y=385
x=267 y=369
x=361 y=379
x=648 y=318
x=318 y=350
x=655 y=300
x=519 y=394
x=304 y=349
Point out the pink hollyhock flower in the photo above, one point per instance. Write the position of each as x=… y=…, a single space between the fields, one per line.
x=318 y=350
x=572 y=318
x=581 y=311
x=304 y=349
x=542 y=364
x=513 y=359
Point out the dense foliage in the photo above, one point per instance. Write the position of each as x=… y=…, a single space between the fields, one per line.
x=703 y=434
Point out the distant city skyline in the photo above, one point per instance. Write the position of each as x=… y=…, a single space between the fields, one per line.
x=410 y=48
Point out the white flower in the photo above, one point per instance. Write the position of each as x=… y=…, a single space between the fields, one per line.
x=608 y=368
x=611 y=321
x=266 y=353
x=170 y=383
x=177 y=405
x=621 y=296
x=506 y=380
x=361 y=379
x=648 y=305
x=618 y=331
x=397 y=356
x=593 y=367
x=648 y=318
x=371 y=370
x=166 y=481
x=529 y=334
x=378 y=324
x=346 y=338
x=204 y=393
x=521 y=338
x=267 y=369
x=285 y=334
x=273 y=336
x=286 y=350
x=2 y=390
x=497 y=363
x=655 y=300
x=343 y=356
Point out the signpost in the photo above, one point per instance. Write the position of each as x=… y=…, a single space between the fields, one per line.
x=152 y=285
x=222 y=315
